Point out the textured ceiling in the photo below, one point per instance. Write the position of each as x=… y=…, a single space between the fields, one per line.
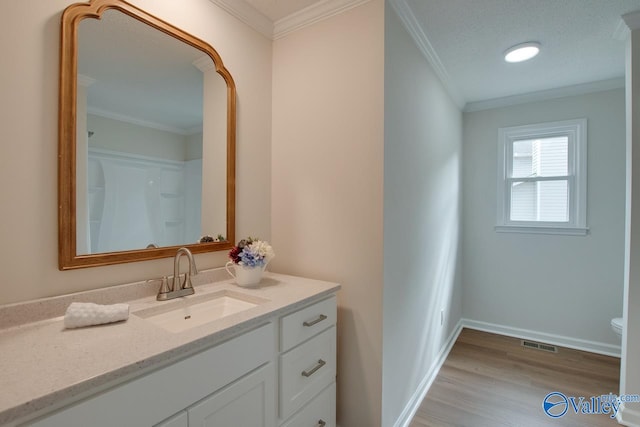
x=466 y=40
x=470 y=36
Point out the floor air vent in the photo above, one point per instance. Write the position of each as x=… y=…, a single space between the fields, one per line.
x=539 y=346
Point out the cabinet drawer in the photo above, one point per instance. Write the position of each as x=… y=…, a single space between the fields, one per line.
x=306 y=370
x=303 y=324
x=320 y=412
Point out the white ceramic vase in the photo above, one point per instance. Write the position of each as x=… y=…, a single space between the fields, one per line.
x=248 y=277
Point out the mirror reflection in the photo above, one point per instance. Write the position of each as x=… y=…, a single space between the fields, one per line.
x=141 y=139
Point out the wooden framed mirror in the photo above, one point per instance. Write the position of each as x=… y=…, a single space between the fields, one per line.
x=146 y=149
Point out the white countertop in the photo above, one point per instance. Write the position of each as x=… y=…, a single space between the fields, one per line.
x=44 y=364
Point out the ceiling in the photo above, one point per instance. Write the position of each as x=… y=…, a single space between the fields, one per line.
x=278 y=9
x=464 y=40
x=578 y=37
x=582 y=47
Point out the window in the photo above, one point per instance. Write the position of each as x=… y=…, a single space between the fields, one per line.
x=542 y=178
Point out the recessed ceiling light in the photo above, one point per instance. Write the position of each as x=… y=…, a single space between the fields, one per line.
x=522 y=52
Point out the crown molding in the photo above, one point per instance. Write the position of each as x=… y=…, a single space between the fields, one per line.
x=544 y=95
x=274 y=30
x=632 y=19
x=312 y=14
x=247 y=14
x=621 y=32
x=146 y=123
x=408 y=18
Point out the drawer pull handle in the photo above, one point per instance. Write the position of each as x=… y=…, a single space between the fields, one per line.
x=319 y=365
x=321 y=423
x=313 y=322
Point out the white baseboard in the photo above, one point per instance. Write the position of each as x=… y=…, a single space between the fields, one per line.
x=563 y=341
x=414 y=403
x=628 y=417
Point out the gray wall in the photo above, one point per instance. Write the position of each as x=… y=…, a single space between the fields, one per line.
x=422 y=156
x=564 y=286
x=630 y=368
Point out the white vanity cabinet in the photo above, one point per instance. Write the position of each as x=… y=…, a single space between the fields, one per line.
x=279 y=374
x=238 y=373
x=307 y=366
x=247 y=403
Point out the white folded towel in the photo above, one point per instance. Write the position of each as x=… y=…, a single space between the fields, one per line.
x=81 y=314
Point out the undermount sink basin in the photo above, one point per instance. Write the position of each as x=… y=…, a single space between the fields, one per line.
x=188 y=312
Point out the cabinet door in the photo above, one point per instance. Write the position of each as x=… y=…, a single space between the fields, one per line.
x=248 y=402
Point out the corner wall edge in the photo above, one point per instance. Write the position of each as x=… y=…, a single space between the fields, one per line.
x=411 y=24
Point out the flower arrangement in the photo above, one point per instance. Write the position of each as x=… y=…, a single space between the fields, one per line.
x=251 y=252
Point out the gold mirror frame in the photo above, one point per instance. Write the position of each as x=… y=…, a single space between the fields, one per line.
x=67 y=254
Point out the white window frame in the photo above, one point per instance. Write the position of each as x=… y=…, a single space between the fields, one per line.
x=576 y=132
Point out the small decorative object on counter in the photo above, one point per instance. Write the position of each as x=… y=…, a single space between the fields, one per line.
x=249 y=258
x=80 y=314
x=209 y=239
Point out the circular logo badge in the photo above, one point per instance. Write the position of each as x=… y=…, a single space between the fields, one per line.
x=555 y=404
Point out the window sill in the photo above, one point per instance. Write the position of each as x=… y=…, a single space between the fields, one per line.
x=534 y=229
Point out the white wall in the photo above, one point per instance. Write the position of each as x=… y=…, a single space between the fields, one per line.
x=194 y=146
x=327 y=179
x=569 y=286
x=630 y=369
x=28 y=154
x=422 y=218
x=116 y=135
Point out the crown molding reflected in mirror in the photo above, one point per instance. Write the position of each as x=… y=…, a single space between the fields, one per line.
x=69 y=258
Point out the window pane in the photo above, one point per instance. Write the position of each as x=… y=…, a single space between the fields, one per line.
x=540 y=157
x=523 y=201
x=522 y=159
x=540 y=201
x=553 y=201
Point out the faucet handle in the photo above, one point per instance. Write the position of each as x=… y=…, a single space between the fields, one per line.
x=187 y=280
x=164 y=288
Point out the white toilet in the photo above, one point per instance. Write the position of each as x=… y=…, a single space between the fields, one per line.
x=616 y=325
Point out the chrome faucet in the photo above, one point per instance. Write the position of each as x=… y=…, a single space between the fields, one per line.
x=176 y=269
x=178 y=289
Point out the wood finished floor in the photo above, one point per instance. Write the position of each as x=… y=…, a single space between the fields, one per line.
x=490 y=380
